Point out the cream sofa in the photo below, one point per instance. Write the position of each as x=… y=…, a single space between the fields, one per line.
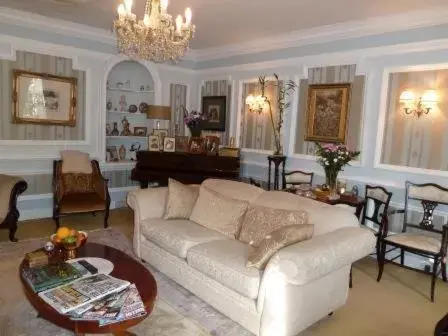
x=301 y=284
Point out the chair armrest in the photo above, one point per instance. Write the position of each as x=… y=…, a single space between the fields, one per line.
x=100 y=185
x=312 y=259
x=10 y=188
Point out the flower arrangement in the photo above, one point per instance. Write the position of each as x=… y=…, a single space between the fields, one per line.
x=193 y=121
x=333 y=158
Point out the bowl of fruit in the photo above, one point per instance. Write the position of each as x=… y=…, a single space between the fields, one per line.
x=69 y=240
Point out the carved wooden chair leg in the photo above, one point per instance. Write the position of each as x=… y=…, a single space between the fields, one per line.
x=402 y=257
x=443 y=265
x=12 y=232
x=381 y=258
x=331 y=314
x=57 y=221
x=434 y=278
x=106 y=218
x=350 y=282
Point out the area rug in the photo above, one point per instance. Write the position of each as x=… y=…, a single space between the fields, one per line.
x=177 y=313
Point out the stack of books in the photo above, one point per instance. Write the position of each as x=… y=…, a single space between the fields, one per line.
x=36 y=258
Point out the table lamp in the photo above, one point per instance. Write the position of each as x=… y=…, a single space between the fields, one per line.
x=159 y=112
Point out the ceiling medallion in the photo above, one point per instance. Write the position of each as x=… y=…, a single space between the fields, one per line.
x=157 y=37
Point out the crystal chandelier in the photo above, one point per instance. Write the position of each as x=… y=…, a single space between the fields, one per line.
x=157 y=37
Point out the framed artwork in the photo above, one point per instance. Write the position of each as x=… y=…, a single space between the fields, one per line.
x=169 y=144
x=153 y=143
x=161 y=133
x=113 y=155
x=40 y=98
x=214 y=107
x=327 y=112
x=181 y=144
x=196 y=146
x=211 y=145
x=140 y=131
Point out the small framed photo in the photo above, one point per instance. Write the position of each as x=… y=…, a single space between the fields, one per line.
x=169 y=144
x=161 y=133
x=211 y=145
x=181 y=144
x=113 y=155
x=140 y=131
x=154 y=143
x=196 y=146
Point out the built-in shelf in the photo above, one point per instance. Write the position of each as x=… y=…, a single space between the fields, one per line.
x=129 y=90
x=126 y=137
x=126 y=113
x=116 y=165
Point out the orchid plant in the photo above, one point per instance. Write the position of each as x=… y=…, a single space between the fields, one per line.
x=333 y=158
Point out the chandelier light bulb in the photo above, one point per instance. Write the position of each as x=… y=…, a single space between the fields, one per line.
x=163 y=5
x=178 y=24
x=121 y=11
x=147 y=20
x=188 y=15
x=128 y=6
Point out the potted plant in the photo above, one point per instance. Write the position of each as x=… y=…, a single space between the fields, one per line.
x=333 y=158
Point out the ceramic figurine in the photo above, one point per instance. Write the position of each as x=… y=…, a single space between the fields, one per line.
x=109 y=105
x=108 y=130
x=126 y=127
x=142 y=88
x=123 y=103
x=133 y=151
x=119 y=85
x=148 y=88
x=122 y=152
x=115 y=131
x=355 y=191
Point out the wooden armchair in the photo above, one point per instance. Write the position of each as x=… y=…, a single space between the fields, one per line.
x=297 y=177
x=10 y=188
x=79 y=193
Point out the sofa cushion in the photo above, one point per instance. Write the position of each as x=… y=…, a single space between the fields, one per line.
x=259 y=221
x=218 y=212
x=325 y=217
x=75 y=183
x=225 y=261
x=234 y=189
x=177 y=236
x=276 y=240
x=181 y=200
x=74 y=161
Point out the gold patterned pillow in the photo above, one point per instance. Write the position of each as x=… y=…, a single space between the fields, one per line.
x=277 y=240
x=181 y=200
x=260 y=220
x=75 y=183
x=218 y=212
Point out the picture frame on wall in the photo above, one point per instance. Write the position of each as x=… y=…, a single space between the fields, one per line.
x=153 y=143
x=215 y=110
x=327 y=112
x=169 y=144
x=181 y=145
x=196 y=145
x=40 y=98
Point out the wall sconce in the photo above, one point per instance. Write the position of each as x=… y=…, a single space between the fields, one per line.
x=256 y=103
x=420 y=105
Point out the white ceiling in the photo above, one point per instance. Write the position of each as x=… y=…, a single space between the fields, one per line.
x=220 y=22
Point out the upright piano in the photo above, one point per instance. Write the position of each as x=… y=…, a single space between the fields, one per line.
x=157 y=167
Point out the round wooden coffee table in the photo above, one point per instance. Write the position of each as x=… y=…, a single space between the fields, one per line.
x=125 y=267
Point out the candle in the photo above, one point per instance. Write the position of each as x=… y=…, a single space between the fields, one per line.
x=121 y=11
x=188 y=15
x=178 y=24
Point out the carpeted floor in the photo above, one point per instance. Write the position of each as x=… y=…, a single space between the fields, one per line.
x=398 y=305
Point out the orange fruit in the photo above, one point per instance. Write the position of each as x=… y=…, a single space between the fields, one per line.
x=63 y=232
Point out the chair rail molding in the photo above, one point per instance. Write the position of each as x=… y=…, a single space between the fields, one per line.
x=384 y=91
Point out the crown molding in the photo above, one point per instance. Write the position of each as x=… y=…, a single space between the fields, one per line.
x=328 y=33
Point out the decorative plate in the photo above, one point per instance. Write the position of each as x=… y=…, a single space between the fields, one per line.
x=143 y=107
x=132 y=108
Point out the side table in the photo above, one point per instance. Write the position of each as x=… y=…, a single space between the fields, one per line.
x=277 y=160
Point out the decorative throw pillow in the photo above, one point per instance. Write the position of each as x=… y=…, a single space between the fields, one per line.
x=181 y=200
x=218 y=212
x=77 y=183
x=76 y=162
x=259 y=221
x=277 y=240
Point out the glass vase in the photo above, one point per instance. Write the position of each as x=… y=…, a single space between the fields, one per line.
x=195 y=131
x=331 y=178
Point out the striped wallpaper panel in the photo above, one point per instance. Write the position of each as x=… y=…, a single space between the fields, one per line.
x=178 y=99
x=44 y=64
x=219 y=88
x=331 y=75
x=256 y=128
x=417 y=142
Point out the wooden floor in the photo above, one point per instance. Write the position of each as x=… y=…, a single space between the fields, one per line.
x=397 y=306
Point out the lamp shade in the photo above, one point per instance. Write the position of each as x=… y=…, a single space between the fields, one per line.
x=159 y=112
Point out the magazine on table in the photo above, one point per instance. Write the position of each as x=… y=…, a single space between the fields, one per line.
x=71 y=296
x=113 y=308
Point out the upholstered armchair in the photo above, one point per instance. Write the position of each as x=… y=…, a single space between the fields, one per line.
x=10 y=188
x=79 y=192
